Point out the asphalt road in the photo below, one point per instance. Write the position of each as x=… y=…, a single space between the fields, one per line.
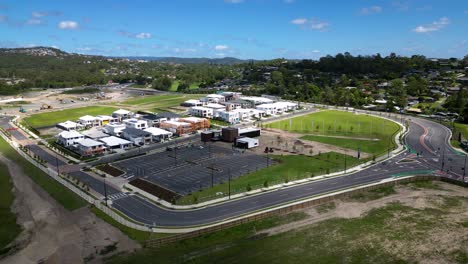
x=426 y=138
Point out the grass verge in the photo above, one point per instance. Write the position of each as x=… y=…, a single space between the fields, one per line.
x=60 y=193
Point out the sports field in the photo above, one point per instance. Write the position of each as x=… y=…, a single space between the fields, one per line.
x=344 y=129
x=51 y=118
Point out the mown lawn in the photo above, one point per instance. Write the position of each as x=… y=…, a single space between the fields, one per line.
x=287 y=168
x=65 y=197
x=10 y=230
x=51 y=118
x=376 y=147
x=160 y=101
x=338 y=123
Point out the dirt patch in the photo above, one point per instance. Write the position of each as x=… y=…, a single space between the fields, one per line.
x=287 y=143
x=155 y=190
x=53 y=234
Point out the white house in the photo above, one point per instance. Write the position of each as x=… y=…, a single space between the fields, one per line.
x=256 y=100
x=69 y=138
x=122 y=114
x=70 y=125
x=136 y=123
x=213 y=98
x=246 y=113
x=192 y=102
x=231 y=117
x=201 y=111
x=105 y=119
x=215 y=106
x=158 y=133
x=276 y=108
x=114 y=129
x=113 y=142
x=88 y=121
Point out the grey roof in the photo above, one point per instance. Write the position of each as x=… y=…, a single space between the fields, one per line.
x=168 y=115
x=135 y=132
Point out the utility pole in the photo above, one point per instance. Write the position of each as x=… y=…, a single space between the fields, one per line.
x=105 y=191
x=56 y=163
x=229 y=183
x=212 y=174
x=464 y=169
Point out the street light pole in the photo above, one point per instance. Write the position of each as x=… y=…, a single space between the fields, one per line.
x=229 y=182
x=212 y=176
x=105 y=191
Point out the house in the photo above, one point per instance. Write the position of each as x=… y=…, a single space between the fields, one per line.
x=122 y=114
x=114 y=129
x=247 y=113
x=197 y=123
x=215 y=106
x=213 y=98
x=70 y=125
x=87 y=147
x=88 y=121
x=201 y=111
x=276 y=108
x=190 y=103
x=153 y=120
x=229 y=116
x=158 y=134
x=69 y=138
x=94 y=133
x=177 y=127
x=114 y=142
x=137 y=136
x=228 y=96
x=135 y=123
x=255 y=100
x=236 y=104
x=105 y=119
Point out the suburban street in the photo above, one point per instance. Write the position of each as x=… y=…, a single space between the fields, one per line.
x=429 y=152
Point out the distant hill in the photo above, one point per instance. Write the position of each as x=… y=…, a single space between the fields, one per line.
x=34 y=51
x=225 y=60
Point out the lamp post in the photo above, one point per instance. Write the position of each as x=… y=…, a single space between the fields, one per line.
x=105 y=191
x=229 y=183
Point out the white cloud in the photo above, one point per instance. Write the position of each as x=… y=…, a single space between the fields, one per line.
x=299 y=21
x=184 y=50
x=371 y=10
x=68 y=24
x=34 y=21
x=143 y=35
x=38 y=14
x=221 y=47
x=313 y=23
x=233 y=1
x=315 y=51
x=84 y=49
x=434 y=26
x=220 y=54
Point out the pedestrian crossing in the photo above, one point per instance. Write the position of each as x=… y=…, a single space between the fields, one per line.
x=116 y=196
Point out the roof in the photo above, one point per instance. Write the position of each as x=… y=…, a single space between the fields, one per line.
x=135 y=132
x=248 y=129
x=114 y=141
x=215 y=106
x=87 y=118
x=161 y=115
x=121 y=112
x=70 y=134
x=247 y=139
x=176 y=123
x=87 y=142
x=68 y=124
x=94 y=133
x=157 y=131
x=104 y=117
x=192 y=101
x=214 y=96
x=256 y=99
x=192 y=119
x=201 y=108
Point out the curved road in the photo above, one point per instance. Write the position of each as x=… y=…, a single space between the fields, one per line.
x=429 y=152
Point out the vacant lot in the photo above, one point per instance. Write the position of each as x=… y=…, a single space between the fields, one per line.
x=9 y=229
x=67 y=198
x=159 y=102
x=51 y=118
x=343 y=129
x=414 y=223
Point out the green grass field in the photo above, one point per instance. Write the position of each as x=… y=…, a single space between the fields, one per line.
x=287 y=168
x=328 y=126
x=376 y=147
x=10 y=230
x=160 y=102
x=51 y=118
x=338 y=123
x=65 y=197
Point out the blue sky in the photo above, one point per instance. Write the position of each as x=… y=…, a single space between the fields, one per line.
x=259 y=29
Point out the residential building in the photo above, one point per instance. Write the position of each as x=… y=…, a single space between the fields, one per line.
x=105 y=119
x=153 y=120
x=137 y=136
x=197 y=123
x=88 y=121
x=113 y=142
x=87 y=147
x=136 y=123
x=231 y=117
x=158 y=134
x=114 y=129
x=256 y=100
x=276 y=108
x=122 y=114
x=95 y=133
x=177 y=127
x=70 y=125
x=215 y=106
x=213 y=98
x=191 y=102
x=201 y=111
x=69 y=138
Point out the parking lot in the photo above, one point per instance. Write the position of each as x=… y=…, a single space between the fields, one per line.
x=189 y=168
